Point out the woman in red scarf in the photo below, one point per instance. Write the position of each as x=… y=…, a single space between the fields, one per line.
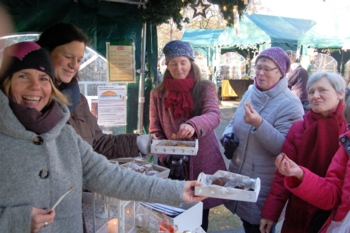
x=310 y=143
x=186 y=106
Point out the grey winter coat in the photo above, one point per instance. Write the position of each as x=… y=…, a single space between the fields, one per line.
x=258 y=148
x=69 y=160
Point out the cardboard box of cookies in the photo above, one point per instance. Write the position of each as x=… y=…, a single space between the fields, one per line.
x=228 y=185
x=174 y=147
x=147 y=169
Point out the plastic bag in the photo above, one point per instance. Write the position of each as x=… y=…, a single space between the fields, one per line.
x=343 y=226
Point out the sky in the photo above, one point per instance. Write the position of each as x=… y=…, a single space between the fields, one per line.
x=318 y=10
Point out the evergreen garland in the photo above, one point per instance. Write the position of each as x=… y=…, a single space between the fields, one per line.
x=160 y=11
x=226 y=8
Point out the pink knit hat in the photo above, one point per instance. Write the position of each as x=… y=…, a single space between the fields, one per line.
x=278 y=56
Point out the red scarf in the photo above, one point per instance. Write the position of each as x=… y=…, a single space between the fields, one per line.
x=179 y=95
x=319 y=144
x=320 y=139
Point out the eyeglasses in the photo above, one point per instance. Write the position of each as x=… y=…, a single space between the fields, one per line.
x=266 y=70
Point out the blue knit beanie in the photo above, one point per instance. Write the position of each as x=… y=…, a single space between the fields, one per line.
x=278 y=56
x=177 y=48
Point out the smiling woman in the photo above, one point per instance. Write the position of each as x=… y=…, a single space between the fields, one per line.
x=31 y=88
x=41 y=156
x=28 y=81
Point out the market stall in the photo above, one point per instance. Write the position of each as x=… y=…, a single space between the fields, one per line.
x=102 y=21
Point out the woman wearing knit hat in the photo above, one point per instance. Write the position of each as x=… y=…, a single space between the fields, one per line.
x=315 y=138
x=41 y=156
x=261 y=128
x=187 y=106
x=66 y=45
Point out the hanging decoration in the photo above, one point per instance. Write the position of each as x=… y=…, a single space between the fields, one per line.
x=232 y=10
x=199 y=8
x=160 y=11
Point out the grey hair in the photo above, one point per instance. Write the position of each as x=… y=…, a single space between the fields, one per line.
x=334 y=78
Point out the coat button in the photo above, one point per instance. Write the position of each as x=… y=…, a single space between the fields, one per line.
x=342 y=139
x=38 y=140
x=44 y=174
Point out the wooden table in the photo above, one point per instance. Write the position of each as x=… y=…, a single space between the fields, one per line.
x=240 y=86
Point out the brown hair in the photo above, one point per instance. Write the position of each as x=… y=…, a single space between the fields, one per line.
x=6 y=87
x=61 y=34
x=197 y=91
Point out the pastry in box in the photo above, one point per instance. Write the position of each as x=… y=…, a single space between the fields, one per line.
x=228 y=185
x=174 y=147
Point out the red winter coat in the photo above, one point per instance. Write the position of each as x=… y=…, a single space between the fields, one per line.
x=299 y=213
x=331 y=192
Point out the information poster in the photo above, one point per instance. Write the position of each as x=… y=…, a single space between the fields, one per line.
x=111 y=105
x=121 y=63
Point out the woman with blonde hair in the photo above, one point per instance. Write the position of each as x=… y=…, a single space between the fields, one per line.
x=41 y=156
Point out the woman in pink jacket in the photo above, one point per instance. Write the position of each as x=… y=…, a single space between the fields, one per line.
x=329 y=193
x=186 y=106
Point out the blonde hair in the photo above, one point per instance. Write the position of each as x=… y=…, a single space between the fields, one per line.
x=55 y=93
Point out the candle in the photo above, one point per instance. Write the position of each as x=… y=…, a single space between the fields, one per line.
x=113 y=226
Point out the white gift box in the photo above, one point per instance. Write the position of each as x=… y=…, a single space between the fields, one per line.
x=162 y=172
x=230 y=193
x=174 y=147
x=189 y=220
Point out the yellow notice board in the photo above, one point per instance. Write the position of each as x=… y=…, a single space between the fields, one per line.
x=121 y=63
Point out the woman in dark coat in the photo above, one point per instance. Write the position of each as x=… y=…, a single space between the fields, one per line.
x=66 y=45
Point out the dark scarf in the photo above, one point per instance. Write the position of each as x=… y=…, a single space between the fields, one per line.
x=318 y=145
x=72 y=92
x=35 y=121
x=179 y=95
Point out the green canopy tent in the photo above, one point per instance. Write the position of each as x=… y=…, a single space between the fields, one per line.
x=102 y=21
x=258 y=32
x=330 y=35
x=203 y=40
x=264 y=31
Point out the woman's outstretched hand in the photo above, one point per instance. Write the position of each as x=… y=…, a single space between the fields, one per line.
x=288 y=167
x=188 y=195
x=41 y=218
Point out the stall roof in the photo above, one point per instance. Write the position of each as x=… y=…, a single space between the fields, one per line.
x=201 y=37
x=328 y=34
x=265 y=29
